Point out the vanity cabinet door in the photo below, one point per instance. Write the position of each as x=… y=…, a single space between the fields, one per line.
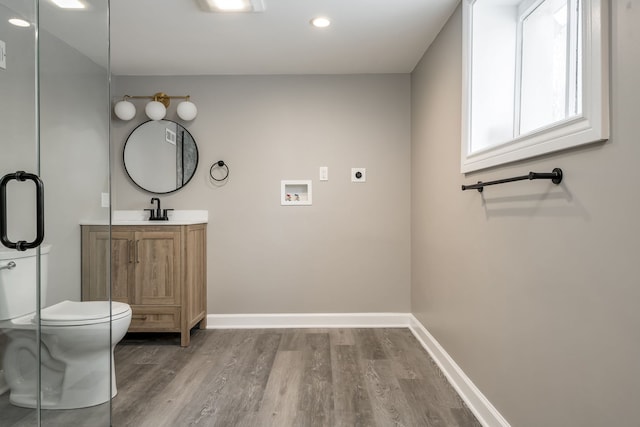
x=122 y=273
x=157 y=267
x=95 y=264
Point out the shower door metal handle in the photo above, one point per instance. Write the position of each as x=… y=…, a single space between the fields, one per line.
x=22 y=176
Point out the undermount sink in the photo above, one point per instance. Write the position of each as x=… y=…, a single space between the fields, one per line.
x=176 y=217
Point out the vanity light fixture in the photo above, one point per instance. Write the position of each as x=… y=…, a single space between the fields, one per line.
x=226 y=6
x=155 y=109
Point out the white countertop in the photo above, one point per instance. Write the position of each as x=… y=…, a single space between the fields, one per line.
x=141 y=217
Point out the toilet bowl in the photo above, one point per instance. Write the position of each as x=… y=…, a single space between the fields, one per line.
x=77 y=342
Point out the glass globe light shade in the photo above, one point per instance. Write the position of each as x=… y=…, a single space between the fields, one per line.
x=124 y=110
x=155 y=110
x=187 y=110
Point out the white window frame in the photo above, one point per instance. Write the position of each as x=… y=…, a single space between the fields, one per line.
x=592 y=125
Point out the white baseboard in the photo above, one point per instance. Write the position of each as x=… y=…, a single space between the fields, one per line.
x=304 y=320
x=484 y=411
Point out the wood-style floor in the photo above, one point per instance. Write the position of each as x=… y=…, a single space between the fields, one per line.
x=272 y=377
x=284 y=377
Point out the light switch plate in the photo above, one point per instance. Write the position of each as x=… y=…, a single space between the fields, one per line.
x=324 y=173
x=3 y=55
x=358 y=174
x=105 y=200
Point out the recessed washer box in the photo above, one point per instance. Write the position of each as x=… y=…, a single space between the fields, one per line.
x=295 y=192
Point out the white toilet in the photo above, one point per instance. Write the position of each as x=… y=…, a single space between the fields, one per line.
x=76 y=354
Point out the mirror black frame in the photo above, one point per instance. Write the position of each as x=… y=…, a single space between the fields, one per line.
x=195 y=168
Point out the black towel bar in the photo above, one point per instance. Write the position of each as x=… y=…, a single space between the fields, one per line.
x=555 y=176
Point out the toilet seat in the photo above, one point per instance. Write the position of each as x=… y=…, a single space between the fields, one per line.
x=71 y=313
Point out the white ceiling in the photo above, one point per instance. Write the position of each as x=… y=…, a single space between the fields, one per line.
x=175 y=37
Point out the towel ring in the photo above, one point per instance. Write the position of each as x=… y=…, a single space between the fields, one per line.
x=220 y=164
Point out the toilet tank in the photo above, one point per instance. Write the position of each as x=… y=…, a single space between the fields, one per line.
x=18 y=286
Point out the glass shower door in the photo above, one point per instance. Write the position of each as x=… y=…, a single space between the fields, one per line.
x=18 y=152
x=54 y=116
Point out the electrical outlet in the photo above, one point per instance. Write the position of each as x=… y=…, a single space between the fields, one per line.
x=105 y=200
x=358 y=175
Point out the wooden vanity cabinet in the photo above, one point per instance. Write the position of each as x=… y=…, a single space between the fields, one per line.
x=159 y=270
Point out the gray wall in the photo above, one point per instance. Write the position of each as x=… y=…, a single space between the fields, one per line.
x=18 y=120
x=74 y=152
x=349 y=251
x=533 y=289
x=74 y=144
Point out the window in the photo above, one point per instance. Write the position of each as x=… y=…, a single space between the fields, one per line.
x=535 y=78
x=549 y=76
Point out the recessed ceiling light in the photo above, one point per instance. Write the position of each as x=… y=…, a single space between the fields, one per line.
x=69 y=4
x=231 y=5
x=19 y=22
x=320 y=22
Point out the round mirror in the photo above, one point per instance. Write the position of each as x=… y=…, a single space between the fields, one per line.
x=160 y=156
